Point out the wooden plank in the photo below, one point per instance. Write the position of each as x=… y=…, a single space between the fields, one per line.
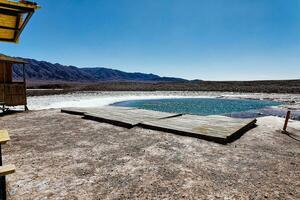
x=82 y=111
x=11 y=59
x=5 y=72
x=126 y=117
x=219 y=129
x=4 y=137
x=7 y=169
x=121 y=116
x=7 y=20
x=19 y=4
x=14 y=94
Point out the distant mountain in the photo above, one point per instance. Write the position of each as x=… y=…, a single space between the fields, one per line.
x=45 y=71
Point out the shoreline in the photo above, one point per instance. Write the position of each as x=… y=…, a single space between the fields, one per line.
x=98 y=99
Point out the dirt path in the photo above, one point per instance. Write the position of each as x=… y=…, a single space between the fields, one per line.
x=60 y=156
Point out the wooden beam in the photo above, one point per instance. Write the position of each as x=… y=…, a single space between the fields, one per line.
x=6 y=170
x=9 y=28
x=29 y=15
x=16 y=7
x=287 y=118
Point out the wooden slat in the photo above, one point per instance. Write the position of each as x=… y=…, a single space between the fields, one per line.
x=122 y=116
x=5 y=72
x=10 y=59
x=7 y=169
x=14 y=95
x=7 y=20
x=219 y=129
x=4 y=137
x=19 y=4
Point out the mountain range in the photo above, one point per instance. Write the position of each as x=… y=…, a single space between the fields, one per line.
x=46 y=71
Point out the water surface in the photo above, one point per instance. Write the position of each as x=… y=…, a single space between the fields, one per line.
x=199 y=106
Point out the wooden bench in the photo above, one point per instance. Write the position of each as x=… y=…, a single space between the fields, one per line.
x=4 y=170
x=4 y=137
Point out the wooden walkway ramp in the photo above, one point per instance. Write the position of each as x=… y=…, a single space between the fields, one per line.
x=219 y=129
x=121 y=116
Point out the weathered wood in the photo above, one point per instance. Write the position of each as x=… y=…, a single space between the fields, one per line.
x=126 y=117
x=4 y=137
x=7 y=169
x=13 y=94
x=5 y=72
x=82 y=111
x=219 y=129
x=14 y=16
x=10 y=59
x=121 y=116
x=19 y=5
x=287 y=118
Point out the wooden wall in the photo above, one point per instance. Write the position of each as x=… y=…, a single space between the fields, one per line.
x=13 y=94
x=5 y=72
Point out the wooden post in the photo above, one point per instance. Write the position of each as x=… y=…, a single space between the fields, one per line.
x=25 y=87
x=4 y=81
x=287 y=117
x=2 y=181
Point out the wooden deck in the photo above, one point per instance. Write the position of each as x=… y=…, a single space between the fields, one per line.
x=121 y=116
x=82 y=111
x=219 y=129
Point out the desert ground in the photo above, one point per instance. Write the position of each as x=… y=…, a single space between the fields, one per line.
x=62 y=156
x=270 y=86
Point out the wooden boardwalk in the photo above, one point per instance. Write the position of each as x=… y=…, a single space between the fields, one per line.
x=219 y=129
x=82 y=111
x=121 y=116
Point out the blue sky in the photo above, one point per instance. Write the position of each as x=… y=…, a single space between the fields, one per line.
x=193 y=39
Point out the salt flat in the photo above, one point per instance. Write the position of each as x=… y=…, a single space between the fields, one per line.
x=97 y=99
x=62 y=156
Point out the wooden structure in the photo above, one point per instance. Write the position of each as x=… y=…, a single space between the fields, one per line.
x=4 y=170
x=11 y=93
x=219 y=129
x=287 y=118
x=14 y=16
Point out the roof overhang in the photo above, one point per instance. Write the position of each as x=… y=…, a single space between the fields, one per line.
x=14 y=16
x=5 y=58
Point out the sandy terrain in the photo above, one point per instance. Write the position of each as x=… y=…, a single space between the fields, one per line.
x=61 y=156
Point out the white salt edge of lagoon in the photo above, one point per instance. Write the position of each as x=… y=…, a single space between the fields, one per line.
x=67 y=101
